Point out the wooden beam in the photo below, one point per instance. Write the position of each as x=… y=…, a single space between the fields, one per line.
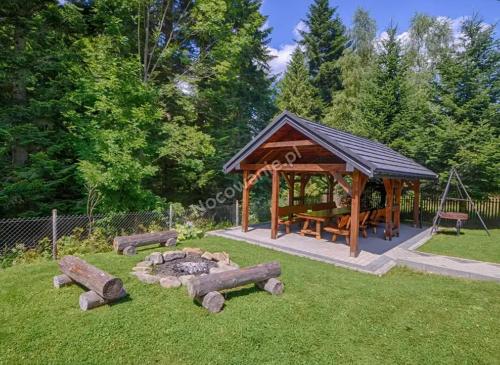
x=275 y=190
x=355 y=207
x=397 y=212
x=291 y=192
x=304 y=179
x=388 y=207
x=416 y=203
x=287 y=144
x=341 y=181
x=245 y=202
x=296 y=167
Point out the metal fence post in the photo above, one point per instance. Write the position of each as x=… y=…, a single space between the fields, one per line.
x=170 y=213
x=54 y=234
x=237 y=216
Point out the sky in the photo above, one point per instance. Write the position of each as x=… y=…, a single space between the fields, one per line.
x=284 y=16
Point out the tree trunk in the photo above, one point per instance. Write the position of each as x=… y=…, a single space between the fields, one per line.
x=201 y=285
x=91 y=299
x=107 y=286
x=213 y=301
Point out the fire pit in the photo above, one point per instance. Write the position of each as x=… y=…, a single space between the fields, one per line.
x=174 y=268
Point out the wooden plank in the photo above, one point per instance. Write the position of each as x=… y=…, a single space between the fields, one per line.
x=297 y=167
x=274 y=204
x=355 y=207
x=287 y=144
x=245 y=202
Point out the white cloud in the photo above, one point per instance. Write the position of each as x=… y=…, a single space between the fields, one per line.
x=281 y=58
x=299 y=27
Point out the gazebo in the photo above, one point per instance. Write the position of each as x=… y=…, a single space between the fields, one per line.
x=296 y=149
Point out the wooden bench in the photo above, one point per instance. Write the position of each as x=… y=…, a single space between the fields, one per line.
x=127 y=244
x=376 y=217
x=343 y=226
x=206 y=289
x=456 y=216
x=287 y=214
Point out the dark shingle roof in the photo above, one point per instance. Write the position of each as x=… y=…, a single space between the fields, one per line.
x=372 y=158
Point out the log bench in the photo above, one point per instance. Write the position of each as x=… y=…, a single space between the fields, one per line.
x=103 y=287
x=206 y=289
x=127 y=245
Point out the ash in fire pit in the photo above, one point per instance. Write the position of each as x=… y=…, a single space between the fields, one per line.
x=191 y=264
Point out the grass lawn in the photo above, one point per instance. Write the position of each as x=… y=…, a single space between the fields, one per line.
x=326 y=315
x=472 y=244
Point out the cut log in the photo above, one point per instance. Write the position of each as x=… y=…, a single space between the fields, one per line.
x=107 y=286
x=91 y=299
x=272 y=286
x=213 y=301
x=62 y=280
x=165 y=238
x=201 y=285
x=129 y=251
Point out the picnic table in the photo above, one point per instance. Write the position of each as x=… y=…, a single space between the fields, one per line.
x=319 y=216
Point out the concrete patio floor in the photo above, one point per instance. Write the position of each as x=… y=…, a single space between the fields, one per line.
x=373 y=249
x=377 y=256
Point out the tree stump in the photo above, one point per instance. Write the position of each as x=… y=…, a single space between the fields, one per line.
x=91 y=300
x=213 y=301
x=62 y=280
x=272 y=286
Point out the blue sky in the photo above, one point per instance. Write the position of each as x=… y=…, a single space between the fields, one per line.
x=284 y=17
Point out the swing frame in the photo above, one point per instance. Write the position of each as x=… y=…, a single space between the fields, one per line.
x=459 y=217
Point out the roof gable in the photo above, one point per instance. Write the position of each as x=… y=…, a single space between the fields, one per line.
x=372 y=158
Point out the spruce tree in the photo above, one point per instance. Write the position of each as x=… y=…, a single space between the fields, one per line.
x=295 y=92
x=324 y=41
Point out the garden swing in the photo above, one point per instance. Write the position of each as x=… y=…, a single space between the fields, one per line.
x=459 y=217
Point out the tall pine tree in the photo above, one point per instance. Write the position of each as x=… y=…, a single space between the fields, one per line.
x=324 y=41
x=295 y=92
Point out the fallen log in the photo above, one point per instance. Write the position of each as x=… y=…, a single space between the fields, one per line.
x=62 y=280
x=91 y=300
x=272 y=286
x=107 y=286
x=201 y=285
x=165 y=238
x=213 y=301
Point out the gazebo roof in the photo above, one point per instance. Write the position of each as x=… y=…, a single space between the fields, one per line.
x=372 y=158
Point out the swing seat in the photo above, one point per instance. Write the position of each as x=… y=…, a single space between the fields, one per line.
x=457 y=216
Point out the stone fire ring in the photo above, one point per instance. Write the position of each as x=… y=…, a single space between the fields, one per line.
x=175 y=268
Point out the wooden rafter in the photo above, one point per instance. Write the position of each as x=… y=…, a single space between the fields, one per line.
x=341 y=181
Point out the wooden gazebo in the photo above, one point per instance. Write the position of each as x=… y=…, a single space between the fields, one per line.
x=296 y=149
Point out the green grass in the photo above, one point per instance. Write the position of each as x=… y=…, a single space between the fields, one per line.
x=472 y=244
x=326 y=315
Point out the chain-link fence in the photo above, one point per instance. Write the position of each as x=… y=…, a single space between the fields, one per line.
x=30 y=231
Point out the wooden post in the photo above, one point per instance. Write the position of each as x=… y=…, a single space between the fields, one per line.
x=416 y=203
x=291 y=192
x=245 y=202
x=274 y=203
x=397 y=213
x=355 y=205
x=388 y=208
x=237 y=213
x=54 y=234
x=302 y=192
